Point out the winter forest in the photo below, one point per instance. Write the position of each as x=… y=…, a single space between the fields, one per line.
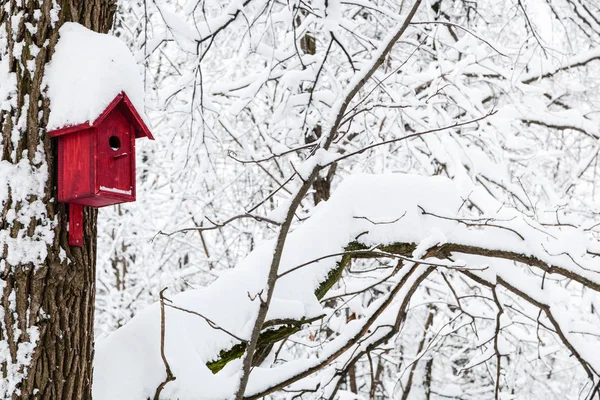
x=345 y=199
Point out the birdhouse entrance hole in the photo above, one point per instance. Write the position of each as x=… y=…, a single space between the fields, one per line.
x=114 y=143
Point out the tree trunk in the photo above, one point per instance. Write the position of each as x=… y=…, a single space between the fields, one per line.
x=47 y=288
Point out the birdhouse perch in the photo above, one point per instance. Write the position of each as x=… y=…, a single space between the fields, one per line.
x=96 y=161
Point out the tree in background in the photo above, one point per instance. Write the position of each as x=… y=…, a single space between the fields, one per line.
x=47 y=289
x=500 y=96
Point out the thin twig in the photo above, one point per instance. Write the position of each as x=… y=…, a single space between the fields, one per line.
x=382 y=222
x=469 y=224
x=374 y=252
x=170 y=377
x=412 y=135
x=428 y=324
x=448 y=23
x=496 y=346
x=210 y=323
x=547 y=310
x=233 y=155
x=217 y=225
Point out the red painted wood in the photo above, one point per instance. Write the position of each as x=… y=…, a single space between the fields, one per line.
x=114 y=165
x=69 y=129
x=76 y=166
x=103 y=199
x=124 y=103
x=75 y=225
x=135 y=119
x=75 y=128
x=95 y=170
x=133 y=137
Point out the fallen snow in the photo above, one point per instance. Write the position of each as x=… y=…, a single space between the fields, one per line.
x=381 y=209
x=87 y=71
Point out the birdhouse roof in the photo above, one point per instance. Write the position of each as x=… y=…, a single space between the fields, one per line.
x=122 y=103
x=87 y=77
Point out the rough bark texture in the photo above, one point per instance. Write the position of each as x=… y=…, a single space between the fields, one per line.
x=53 y=300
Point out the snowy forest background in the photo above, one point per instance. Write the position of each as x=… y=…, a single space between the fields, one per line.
x=500 y=97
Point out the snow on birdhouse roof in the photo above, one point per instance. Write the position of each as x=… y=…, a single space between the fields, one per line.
x=87 y=72
x=123 y=103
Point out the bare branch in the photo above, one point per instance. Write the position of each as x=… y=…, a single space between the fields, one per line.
x=448 y=23
x=210 y=323
x=217 y=225
x=170 y=377
x=412 y=135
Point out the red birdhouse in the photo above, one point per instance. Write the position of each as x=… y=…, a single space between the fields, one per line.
x=96 y=161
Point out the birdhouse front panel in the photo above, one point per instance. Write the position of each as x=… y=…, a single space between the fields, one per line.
x=115 y=162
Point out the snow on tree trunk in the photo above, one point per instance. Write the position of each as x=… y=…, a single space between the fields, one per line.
x=47 y=289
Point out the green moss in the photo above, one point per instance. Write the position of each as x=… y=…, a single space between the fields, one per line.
x=263 y=347
x=225 y=356
x=355 y=246
x=335 y=274
x=404 y=249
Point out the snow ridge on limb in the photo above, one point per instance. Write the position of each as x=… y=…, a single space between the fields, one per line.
x=356 y=221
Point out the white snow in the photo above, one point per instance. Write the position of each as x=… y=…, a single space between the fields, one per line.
x=361 y=206
x=113 y=190
x=87 y=71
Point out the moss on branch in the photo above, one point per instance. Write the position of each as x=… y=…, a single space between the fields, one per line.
x=266 y=340
x=357 y=250
x=271 y=336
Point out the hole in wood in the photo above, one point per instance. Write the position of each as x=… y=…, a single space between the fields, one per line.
x=114 y=143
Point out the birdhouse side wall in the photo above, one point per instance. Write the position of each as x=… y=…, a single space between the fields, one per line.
x=76 y=164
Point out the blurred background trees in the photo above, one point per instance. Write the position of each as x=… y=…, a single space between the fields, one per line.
x=238 y=93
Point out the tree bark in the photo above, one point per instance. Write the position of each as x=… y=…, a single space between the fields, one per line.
x=47 y=288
